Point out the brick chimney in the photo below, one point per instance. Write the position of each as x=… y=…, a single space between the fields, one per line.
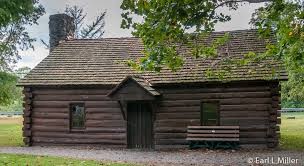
x=61 y=28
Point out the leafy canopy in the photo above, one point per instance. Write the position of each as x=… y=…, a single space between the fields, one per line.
x=12 y=97
x=7 y=88
x=166 y=22
x=286 y=20
x=15 y=10
x=15 y=15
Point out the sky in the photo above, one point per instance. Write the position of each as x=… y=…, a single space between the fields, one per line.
x=31 y=58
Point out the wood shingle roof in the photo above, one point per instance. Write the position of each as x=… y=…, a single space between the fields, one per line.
x=102 y=62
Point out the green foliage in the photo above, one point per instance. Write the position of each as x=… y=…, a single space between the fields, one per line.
x=11 y=97
x=21 y=72
x=285 y=19
x=8 y=90
x=292 y=92
x=15 y=105
x=15 y=15
x=165 y=25
x=211 y=51
x=292 y=103
x=14 y=10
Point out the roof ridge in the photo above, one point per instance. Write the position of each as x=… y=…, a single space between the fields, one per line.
x=237 y=30
x=132 y=37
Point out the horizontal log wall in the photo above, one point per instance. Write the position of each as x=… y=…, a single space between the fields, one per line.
x=248 y=106
x=253 y=107
x=50 y=118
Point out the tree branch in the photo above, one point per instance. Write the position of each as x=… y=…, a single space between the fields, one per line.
x=238 y=1
x=257 y=1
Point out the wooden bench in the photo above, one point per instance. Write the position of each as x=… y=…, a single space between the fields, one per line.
x=213 y=137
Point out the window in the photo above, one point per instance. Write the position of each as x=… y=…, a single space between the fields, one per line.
x=77 y=116
x=209 y=113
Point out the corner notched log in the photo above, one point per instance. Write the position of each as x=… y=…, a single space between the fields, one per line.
x=273 y=131
x=27 y=114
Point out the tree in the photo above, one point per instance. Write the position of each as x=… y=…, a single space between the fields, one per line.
x=12 y=97
x=15 y=10
x=91 y=31
x=167 y=22
x=7 y=88
x=286 y=20
x=22 y=72
x=292 y=92
x=15 y=15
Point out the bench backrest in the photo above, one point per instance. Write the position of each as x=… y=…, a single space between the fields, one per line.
x=213 y=133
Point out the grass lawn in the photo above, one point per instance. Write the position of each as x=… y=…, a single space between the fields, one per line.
x=25 y=160
x=11 y=132
x=292 y=131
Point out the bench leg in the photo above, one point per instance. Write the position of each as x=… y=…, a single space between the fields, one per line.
x=194 y=144
x=191 y=144
x=213 y=144
x=225 y=145
x=236 y=145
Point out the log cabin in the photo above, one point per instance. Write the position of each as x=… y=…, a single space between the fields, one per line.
x=83 y=93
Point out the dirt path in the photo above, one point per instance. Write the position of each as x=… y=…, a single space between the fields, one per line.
x=180 y=157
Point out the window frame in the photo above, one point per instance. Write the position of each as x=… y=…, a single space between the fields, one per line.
x=202 y=122
x=70 y=117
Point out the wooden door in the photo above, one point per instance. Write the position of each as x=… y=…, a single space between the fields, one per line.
x=139 y=130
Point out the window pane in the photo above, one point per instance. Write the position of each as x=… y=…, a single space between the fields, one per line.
x=209 y=114
x=77 y=116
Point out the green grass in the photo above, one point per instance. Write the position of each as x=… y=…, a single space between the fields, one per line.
x=292 y=131
x=26 y=160
x=10 y=132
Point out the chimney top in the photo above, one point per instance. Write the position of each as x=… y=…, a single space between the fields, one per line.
x=61 y=28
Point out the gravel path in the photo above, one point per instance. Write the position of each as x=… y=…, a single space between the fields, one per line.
x=176 y=157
